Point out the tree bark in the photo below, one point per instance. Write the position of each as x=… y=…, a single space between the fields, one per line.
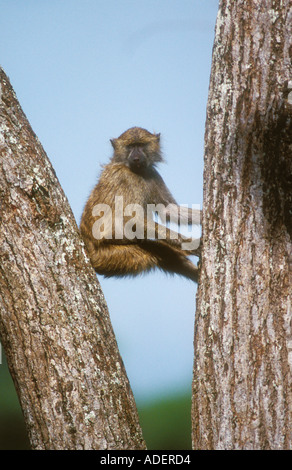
x=243 y=333
x=54 y=323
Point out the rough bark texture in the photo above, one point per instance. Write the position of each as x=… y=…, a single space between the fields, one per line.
x=54 y=322
x=243 y=333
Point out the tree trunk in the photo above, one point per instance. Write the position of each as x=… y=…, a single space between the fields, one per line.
x=243 y=333
x=54 y=322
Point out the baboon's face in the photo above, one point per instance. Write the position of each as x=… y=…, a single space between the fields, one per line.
x=137 y=148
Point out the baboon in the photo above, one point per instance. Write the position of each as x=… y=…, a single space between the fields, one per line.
x=119 y=244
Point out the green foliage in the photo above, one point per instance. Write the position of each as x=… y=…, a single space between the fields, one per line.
x=166 y=423
x=12 y=430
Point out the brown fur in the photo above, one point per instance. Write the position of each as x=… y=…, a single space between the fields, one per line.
x=140 y=185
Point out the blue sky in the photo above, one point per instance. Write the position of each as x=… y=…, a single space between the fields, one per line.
x=86 y=70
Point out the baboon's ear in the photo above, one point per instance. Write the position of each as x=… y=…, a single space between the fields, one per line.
x=158 y=137
x=113 y=142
